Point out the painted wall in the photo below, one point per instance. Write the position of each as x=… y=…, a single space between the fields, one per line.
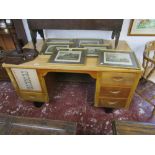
x=137 y=43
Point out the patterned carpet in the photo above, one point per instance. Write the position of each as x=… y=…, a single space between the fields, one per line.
x=73 y=101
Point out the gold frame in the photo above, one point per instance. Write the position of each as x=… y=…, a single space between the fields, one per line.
x=132 y=34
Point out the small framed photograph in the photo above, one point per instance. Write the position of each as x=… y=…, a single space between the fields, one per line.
x=118 y=59
x=142 y=27
x=68 y=56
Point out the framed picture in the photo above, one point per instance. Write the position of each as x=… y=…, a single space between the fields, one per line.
x=73 y=49
x=51 y=48
x=60 y=41
x=142 y=27
x=83 y=42
x=93 y=50
x=68 y=56
x=48 y=49
x=118 y=59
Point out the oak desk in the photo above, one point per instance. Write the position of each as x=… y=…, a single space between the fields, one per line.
x=114 y=86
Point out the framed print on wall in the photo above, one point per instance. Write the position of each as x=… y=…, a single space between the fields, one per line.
x=142 y=27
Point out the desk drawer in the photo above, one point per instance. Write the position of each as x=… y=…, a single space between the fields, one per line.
x=112 y=102
x=117 y=92
x=34 y=96
x=118 y=79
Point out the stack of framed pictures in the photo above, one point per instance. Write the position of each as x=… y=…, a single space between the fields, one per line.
x=118 y=59
x=69 y=56
x=90 y=46
x=52 y=45
x=74 y=51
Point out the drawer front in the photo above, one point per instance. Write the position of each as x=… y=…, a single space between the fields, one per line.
x=117 y=92
x=118 y=79
x=112 y=102
x=32 y=96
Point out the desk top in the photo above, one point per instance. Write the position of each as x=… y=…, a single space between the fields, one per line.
x=41 y=62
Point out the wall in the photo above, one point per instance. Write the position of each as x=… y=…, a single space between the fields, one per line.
x=136 y=43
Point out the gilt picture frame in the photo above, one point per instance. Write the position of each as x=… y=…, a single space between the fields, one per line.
x=142 y=27
x=118 y=59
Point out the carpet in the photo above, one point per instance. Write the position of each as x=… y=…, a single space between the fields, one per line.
x=73 y=101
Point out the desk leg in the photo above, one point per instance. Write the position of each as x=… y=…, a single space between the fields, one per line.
x=108 y=110
x=38 y=104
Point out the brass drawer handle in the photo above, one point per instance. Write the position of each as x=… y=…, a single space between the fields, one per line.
x=115 y=92
x=112 y=102
x=118 y=79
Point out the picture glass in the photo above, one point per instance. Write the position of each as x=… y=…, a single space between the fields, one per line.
x=68 y=56
x=59 y=40
x=51 y=48
x=89 y=41
x=93 y=50
x=117 y=58
x=143 y=27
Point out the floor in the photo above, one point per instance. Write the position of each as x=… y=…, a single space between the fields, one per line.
x=73 y=101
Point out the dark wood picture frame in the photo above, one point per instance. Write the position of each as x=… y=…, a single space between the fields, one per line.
x=54 y=55
x=135 y=64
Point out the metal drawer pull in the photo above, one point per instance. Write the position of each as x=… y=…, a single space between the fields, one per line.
x=112 y=102
x=118 y=79
x=115 y=92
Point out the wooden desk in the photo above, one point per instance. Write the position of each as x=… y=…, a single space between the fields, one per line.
x=106 y=85
x=133 y=128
